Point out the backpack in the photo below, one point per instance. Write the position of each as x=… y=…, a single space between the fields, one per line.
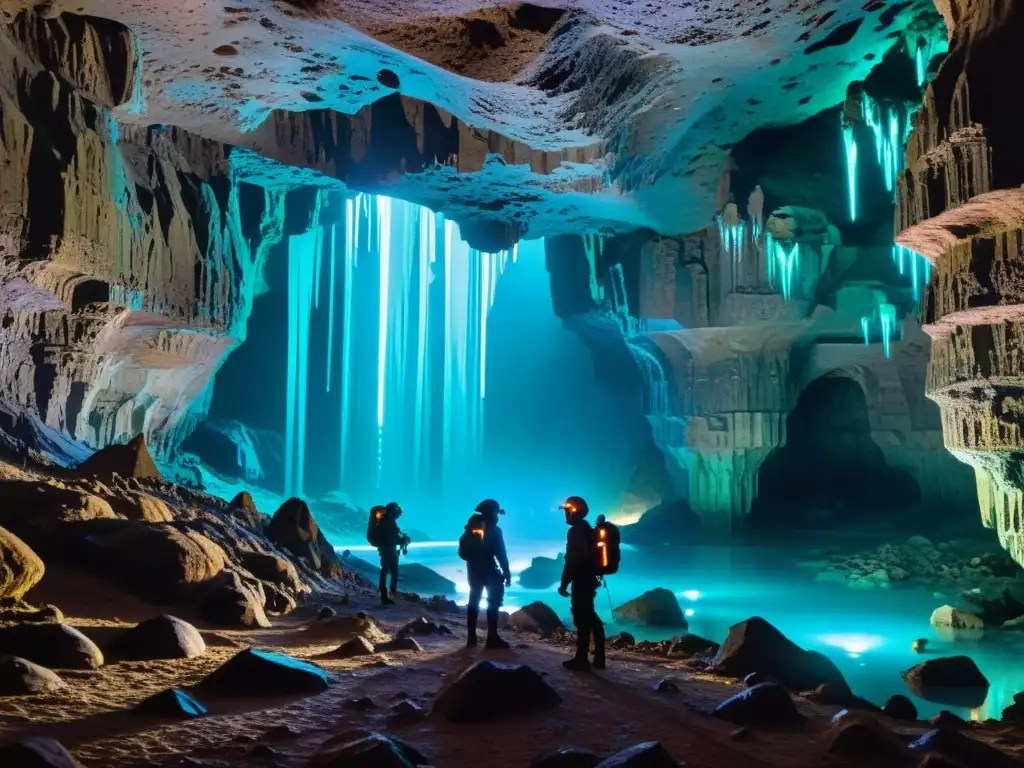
x=373 y=526
x=607 y=550
x=471 y=542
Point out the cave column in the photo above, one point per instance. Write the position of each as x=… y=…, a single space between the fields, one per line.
x=724 y=457
x=961 y=205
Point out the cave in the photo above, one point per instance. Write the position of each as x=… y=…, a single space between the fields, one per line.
x=360 y=363
x=830 y=473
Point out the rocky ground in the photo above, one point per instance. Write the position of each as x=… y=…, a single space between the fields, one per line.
x=280 y=656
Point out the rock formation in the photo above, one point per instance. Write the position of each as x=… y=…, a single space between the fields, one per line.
x=960 y=204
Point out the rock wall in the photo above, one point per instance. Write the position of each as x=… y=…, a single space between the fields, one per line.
x=961 y=204
x=126 y=275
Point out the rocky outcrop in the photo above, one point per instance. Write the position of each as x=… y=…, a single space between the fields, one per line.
x=20 y=567
x=961 y=205
x=129 y=460
x=654 y=608
x=470 y=697
x=294 y=528
x=253 y=672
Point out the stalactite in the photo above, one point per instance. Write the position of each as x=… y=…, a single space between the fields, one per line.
x=401 y=250
x=850 y=144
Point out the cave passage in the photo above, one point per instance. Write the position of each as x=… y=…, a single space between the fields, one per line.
x=830 y=473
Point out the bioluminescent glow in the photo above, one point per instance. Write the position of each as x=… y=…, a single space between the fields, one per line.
x=857 y=644
x=888 y=322
x=920 y=63
x=420 y=369
x=691 y=594
x=850 y=144
x=688 y=612
x=732 y=237
x=786 y=266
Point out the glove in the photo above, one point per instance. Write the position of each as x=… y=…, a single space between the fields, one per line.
x=563 y=591
x=508 y=579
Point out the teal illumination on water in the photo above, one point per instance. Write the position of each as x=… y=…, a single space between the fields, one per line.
x=868 y=634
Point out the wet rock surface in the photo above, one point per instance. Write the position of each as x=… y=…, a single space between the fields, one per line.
x=765 y=704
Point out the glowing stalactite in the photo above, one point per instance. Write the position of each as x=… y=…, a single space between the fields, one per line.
x=769 y=249
x=330 y=311
x=349 y=260
x=850 y=143
x=865 y=329
x=887 y=321
x=920 y=267
x=787 y=264
x=593 y=246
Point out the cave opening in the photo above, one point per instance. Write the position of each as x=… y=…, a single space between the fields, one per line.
x=830 y=474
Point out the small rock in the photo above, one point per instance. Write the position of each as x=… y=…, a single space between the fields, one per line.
x=326 y=612
x=650 y=754
x=20 y=677
x=667 y=685
x=919 y=645
x=225 y=50
x=363 y=704
x=367 y=749
x=171 y=703
x=232 y=602
x=404 y=643
x=163 y=637
x=963 y=749
x=281 y=732
x=899 y=707
x=954 y=680
x=424 y=626
x=357 y=646
x=470 y=697
x=406 y=711
x=388 y=79
x=864 y=737
x=566 y=757
x=254 y=672
x=765 y=704
x=36 y=753
x=830 y=695
x=621 y=641
x=947 y=719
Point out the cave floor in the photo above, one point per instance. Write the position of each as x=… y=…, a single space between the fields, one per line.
x=602 y=712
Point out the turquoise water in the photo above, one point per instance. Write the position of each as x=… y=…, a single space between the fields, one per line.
x=868 y=634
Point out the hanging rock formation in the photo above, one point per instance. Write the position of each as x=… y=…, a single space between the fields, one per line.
x=961 y=205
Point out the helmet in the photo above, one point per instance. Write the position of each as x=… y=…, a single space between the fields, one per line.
x=378 y=511
x=393 y=509
x=489 y=507
x=575 y=507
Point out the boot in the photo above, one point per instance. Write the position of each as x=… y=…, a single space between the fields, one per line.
x=494 y=641
x=579 y=662
x=384 y=599
x=576 y=664
x=471 y=617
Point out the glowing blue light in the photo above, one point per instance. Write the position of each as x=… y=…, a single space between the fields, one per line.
x=920 y=63
x=853 y=643
x=787 y=267
x=850 y=143
x=865 y=329
x=691 y=594
x=688 y=612
x=887 y=319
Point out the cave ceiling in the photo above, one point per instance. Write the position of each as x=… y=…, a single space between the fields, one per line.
x=568 y=115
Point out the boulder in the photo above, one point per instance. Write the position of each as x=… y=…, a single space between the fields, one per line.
x=830 y=695
x=163 y=637
x=23 y=613
x=536 y=617
x=470 y=697
x=357 y=646
x=899 y=707
x=542 y=573
x=159 y=561
x=649 y=754
x=171 y=703
x=253 y=672
x=20 y=567
x=37 y=753
x=367 y=749
x=765 y=704
x=20 y=677
x=129 y=460
x=272 y=569
x=293 y=528
x=963 y=749
x=232 y=602
x=566 y=757
x=666 y=685
x=654 y=608
x=862 y=736
x=948 y=616
x=755 y=645
x=952 y=680
x=946 y=719
x=141 y=507
x=57 y=646
x=243 y=508
x=621 y=641
x=406 y=711
x=1015 y=712
x=37 y=512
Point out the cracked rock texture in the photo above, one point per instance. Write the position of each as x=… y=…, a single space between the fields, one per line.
x=961 y=205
